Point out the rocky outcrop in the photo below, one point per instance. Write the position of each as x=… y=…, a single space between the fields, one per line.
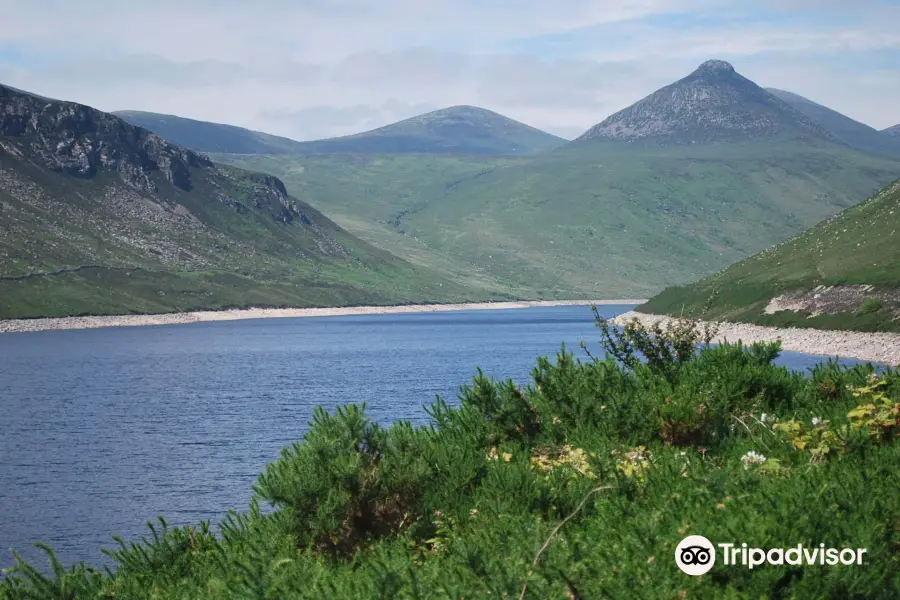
x=712 y=103
x=78 y=140
x=836 y=299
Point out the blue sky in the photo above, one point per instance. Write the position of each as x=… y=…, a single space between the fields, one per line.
x=314 y=68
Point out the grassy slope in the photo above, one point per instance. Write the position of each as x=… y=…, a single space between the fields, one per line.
x=216 y=258
x=601 y=220
x=369 y=194
x=203 y=136
x=858 y=246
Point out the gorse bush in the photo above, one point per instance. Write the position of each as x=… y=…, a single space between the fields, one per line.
x=577 y=485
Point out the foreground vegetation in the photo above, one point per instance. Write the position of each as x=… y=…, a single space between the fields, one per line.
x=857 y=247
x=579 y=485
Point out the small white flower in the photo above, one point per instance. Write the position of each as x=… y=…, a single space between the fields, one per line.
x=752 y=459
x=816 y=421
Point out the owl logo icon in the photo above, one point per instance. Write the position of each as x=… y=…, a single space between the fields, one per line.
x=695 y=555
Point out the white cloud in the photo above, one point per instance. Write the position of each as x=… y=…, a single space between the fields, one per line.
x=314 y=68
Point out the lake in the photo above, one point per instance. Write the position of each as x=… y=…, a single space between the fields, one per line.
x=102 y=430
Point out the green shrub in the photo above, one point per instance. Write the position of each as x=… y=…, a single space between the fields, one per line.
x=869 y=306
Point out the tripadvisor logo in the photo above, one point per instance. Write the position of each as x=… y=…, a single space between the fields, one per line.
x=696 y=555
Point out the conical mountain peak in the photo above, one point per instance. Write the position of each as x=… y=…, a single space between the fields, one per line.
x=714 y=102
x=715 y=66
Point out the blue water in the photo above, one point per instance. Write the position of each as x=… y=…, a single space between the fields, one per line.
x=102 y=430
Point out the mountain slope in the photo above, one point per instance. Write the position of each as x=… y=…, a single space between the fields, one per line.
x=893 y=132
x=455 y=130
x=609 y=221
x=596 y=218
x=843 y=273
x=713 y=103
x=98 y=216
x=854 y=133
x=203 y=136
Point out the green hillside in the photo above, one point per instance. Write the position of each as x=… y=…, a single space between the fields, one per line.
x=590 y=220
x=453 y=130
x=371 y=194
x=100 y=217
x=203 y=136
x=844 y=273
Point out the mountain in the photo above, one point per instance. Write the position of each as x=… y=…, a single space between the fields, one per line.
x=843 y=273
x=600 y=218
x=98 y=216
x=712 y=103
x=853 y=133
x=893 y=132
x=202 y=136
x=454 y=130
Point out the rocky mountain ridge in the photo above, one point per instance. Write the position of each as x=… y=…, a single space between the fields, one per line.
x=77 y=140
x=712 y=103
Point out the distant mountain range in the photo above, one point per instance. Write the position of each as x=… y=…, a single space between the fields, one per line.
x=712 y=103
x=843 y=273
x=454 y=130
x=98 y=216
x=686 y=181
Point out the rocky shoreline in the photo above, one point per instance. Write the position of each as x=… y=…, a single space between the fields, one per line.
x=51 y=324
x=874 y=347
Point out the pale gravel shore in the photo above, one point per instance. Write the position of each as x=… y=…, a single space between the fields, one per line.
x=28 y=325
x=874 y=347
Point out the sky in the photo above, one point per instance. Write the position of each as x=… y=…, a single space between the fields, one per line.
x=309 y=69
